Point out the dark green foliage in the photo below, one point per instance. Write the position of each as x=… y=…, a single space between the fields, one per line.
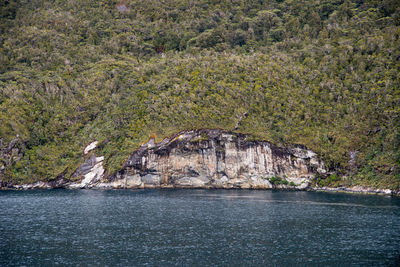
x=277 y=181
x=332 y=180
x=274 y=180
x=319 y=73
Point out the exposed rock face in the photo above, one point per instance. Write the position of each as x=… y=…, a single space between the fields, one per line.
x=353 y=159
x=92 y=171
x=201 y=159
x=90 y=147
x=215 y=159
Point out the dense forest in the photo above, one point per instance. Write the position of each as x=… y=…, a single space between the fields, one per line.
x=321 y=73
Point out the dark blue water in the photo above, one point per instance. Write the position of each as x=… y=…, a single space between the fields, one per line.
x=197 y=228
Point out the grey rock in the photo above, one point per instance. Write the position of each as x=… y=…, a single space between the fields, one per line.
x=12 y=144
x=353 y=159
x=151 y=179
x=216 y=158
x=86 y=167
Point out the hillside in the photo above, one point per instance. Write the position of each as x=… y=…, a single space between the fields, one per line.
x=320 y=73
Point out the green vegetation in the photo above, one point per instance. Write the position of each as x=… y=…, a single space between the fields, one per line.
x=277 y=181
x=332 y=180
x=200 y=139
x=322 y=73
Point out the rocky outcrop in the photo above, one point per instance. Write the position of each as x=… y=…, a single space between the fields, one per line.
x=90 y=147
x=216 y=159
x=92 y=172
x=201 y=159
x=88 y=174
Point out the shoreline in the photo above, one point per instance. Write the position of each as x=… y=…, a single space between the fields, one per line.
x=348 y=190
x=357 y=190
x=203 y=159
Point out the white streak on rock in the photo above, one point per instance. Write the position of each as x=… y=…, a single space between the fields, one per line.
x=94 y=175
x=90 y=147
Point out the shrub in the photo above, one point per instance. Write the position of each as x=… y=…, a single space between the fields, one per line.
x=277 y=181
x=332 y=180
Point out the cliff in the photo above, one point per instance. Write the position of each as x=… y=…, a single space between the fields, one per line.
x=208 y=159
x=204 y=159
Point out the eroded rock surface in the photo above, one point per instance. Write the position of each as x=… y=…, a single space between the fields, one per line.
x=90 y=147
x=92 y=171
x=199 y=159
x=215 y=159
